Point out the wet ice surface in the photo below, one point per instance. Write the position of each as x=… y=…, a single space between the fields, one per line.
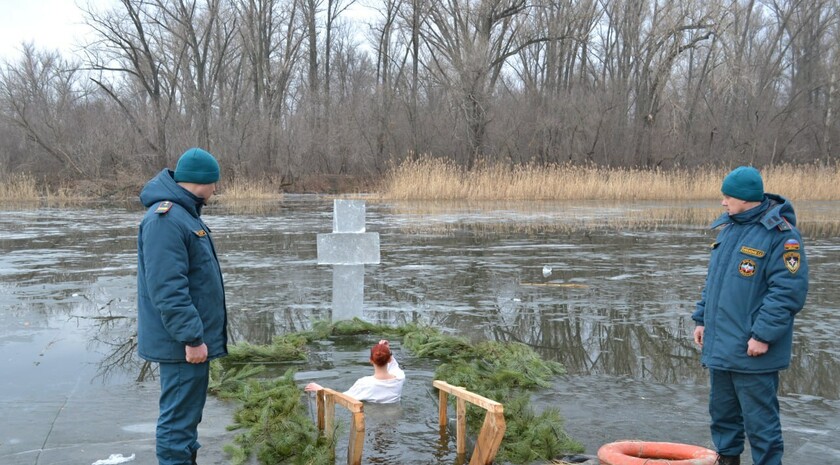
x=615 y=310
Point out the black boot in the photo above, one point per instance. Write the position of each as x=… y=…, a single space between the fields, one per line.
x=728 y=460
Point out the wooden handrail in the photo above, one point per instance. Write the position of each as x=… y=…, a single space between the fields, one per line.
x=492 y=431
x=326 y=399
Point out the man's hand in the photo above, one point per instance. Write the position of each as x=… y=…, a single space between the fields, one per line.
x=757 y=348
x=698 y=335
x=196 y=354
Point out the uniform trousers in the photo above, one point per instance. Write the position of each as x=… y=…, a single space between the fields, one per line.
x=746 y=403
x=183 y=392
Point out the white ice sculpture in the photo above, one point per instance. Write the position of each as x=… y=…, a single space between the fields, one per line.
x=348 y=248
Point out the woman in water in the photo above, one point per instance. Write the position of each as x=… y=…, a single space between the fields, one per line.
x=384 y=386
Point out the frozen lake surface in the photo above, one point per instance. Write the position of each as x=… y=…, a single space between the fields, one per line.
x=605 y=289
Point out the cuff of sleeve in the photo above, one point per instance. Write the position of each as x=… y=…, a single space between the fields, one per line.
x=195 y=343
x=754 y=336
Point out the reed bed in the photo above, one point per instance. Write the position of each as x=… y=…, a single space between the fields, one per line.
x=63 y=197
x=24 y=190
x=439 y=179
x=243 y=191
x=19 y=188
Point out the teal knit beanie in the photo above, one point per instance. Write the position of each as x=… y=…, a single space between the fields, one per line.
x=198 y=166
x=744 y=183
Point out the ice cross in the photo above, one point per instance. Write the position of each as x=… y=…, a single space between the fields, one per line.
x=348 y=248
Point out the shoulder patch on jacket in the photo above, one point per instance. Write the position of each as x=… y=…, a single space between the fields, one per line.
x=792 y=261
x=164 y=207
x=200 y=233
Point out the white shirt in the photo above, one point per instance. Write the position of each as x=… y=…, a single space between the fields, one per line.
x=381 y=391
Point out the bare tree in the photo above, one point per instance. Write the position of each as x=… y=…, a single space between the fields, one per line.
x=271 y=35
x=197 y=31
x=470 y=42
x=389 y=68
x=414 y=19
x=310 y=10
x=807 y=29
x=128 y=52
x=675 y=28
x=40 y=94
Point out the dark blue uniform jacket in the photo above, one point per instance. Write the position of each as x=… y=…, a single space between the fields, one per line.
x=181 y=297
x=757 y=283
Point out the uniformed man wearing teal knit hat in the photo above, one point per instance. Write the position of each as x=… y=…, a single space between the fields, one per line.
x=756 y=284
x=197 y=166
x=182 y=319
x=744 y=183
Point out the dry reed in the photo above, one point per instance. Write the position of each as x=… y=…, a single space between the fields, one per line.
x=439 y=179
x=63 y=197
x=24 y=189
x=242 y=191
x=19 y=188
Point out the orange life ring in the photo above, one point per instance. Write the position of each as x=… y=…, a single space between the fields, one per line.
x=654 y=453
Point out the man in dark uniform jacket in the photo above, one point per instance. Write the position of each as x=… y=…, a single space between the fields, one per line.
x=182 y=319
x=756 y=284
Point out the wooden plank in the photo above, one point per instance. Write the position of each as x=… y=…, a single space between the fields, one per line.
x=326 y=400
x=492 y=431
x=329 y=416
x=489 y=439
x=487 y=404
x=319 y=402
x=461 y=426
x=357 y=439
x=351 y=404
x=443 y=398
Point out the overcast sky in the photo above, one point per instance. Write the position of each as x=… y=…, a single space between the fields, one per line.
x=50 y=24
x=59 y=24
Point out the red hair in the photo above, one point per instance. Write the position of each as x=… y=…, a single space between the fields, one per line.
x=380 y=354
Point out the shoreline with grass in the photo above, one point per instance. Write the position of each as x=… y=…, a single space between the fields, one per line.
x=430 y=179
x=438 y=179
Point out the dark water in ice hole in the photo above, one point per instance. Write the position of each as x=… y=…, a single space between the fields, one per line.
x=615 y=309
